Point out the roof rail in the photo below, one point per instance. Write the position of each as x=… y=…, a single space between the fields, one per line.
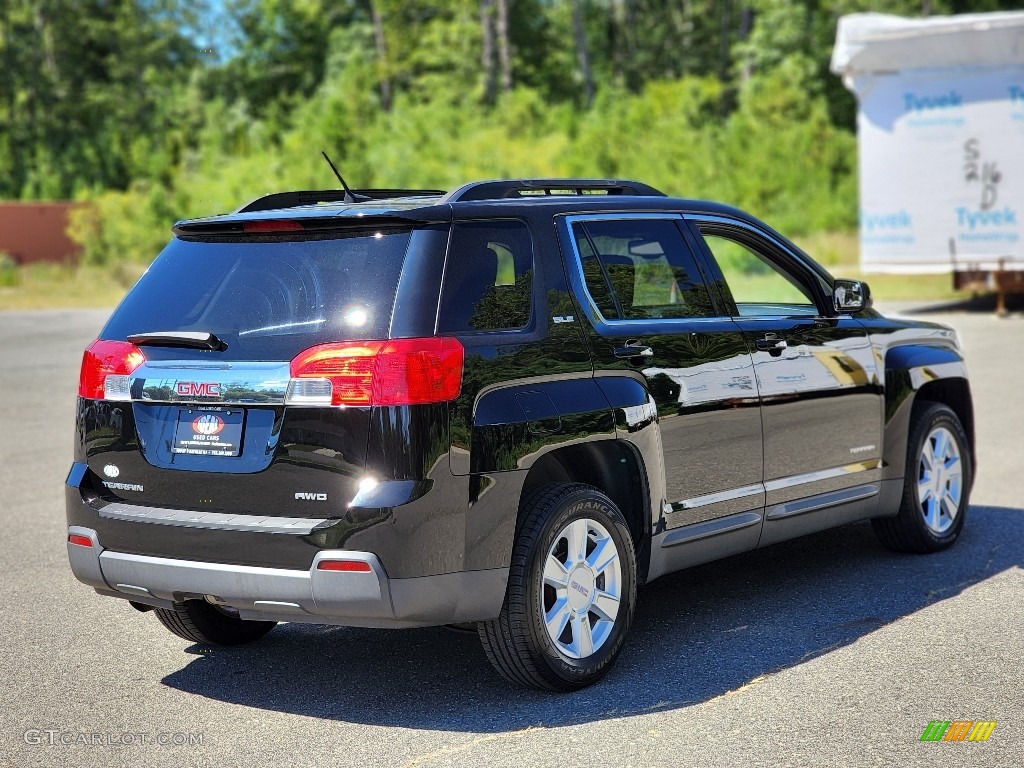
x=312 y=197
x=496 y=190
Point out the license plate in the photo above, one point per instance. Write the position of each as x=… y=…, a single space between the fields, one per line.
x=209 y=432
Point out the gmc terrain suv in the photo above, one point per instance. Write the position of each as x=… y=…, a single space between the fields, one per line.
x=508 y=405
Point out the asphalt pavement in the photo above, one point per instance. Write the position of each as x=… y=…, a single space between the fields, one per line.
x=825 y=651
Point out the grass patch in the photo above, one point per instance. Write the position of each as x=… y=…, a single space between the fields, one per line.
x=922 y=288
x=831 y=249
x=60 y=286
x=839 y=252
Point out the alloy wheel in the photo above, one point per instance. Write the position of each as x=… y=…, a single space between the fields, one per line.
x=581 y=589
x=940 y=480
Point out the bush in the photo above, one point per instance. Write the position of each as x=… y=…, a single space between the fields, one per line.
x=776 y=155
x=10 y=275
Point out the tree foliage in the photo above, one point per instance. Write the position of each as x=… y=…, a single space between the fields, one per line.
x=164 y=109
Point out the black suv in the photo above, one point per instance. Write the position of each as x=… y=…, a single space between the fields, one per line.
x=509 y=405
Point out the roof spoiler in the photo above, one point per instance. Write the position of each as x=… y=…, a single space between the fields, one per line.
x=313 y=197
x=286 y=227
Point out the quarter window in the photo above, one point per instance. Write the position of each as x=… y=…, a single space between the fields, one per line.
x=488 y=278
x=640 y=269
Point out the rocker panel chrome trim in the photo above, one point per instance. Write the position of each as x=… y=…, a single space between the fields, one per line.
x=691 y=533
x=822 y=501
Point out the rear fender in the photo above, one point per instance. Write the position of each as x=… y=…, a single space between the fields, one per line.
x=515 y=426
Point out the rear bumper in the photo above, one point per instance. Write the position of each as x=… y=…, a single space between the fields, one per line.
x=365 y=599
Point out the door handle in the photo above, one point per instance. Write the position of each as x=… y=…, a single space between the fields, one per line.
x=771 y=344
x=633 y=350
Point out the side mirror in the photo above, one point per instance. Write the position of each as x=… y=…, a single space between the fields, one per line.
x=850 y=296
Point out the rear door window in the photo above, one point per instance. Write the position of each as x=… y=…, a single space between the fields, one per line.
x=641 y=269
x=488 y=278
x=269 y=300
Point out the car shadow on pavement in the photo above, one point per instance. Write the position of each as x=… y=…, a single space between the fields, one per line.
x=697 y=634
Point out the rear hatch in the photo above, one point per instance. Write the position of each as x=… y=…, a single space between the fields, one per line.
x=209 y=389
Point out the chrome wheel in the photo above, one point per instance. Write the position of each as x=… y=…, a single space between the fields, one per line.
x=582 y=588
x=940 y=480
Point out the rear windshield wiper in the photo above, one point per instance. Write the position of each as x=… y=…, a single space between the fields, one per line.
x=190 y=339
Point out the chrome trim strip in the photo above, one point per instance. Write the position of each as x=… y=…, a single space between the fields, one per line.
x=822 y=501
x=794 y=316
x=215 y=520
x=248 y=383
x=714 y=498
x=622 y=215
x=691 y=533
x=775 y=485
x=822 y=474
x=578 y=263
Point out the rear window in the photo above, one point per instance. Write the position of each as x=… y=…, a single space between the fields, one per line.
x=269 y=300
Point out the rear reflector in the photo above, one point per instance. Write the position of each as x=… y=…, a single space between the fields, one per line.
x=396 y=372
x=349 y=566
x=106 y=366
x=79 y=540
x=282 y=225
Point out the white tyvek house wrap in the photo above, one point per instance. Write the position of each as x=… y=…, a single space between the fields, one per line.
x=941 y=138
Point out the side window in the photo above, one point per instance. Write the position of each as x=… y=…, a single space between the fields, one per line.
x=758 y=286
x=597 y=281
x=639 y=269
x=488 y=277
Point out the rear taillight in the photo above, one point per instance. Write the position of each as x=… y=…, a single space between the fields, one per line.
x=396 y=372
x=79 y=540
x=411 y=371
x=106 y=366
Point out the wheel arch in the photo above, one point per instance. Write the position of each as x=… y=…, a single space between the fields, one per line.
x=615 y=468
x=955 y=393
x=915 y=375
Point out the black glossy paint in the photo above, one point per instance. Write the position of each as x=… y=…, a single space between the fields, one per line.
x=436 y=489
x=285 y=451
x=701 y=383
x=826 y=376
x=920 y=363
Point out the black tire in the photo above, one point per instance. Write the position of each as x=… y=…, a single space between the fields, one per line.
x=201 y=622
x=517 y=643
x=908 y=531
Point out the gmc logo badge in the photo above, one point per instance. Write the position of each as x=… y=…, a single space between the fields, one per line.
x=198 y=389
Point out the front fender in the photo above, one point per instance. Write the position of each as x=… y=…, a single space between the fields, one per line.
x=909 y=370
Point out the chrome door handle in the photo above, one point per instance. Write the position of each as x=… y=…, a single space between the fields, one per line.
x=771 y=344
x=631 y=351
